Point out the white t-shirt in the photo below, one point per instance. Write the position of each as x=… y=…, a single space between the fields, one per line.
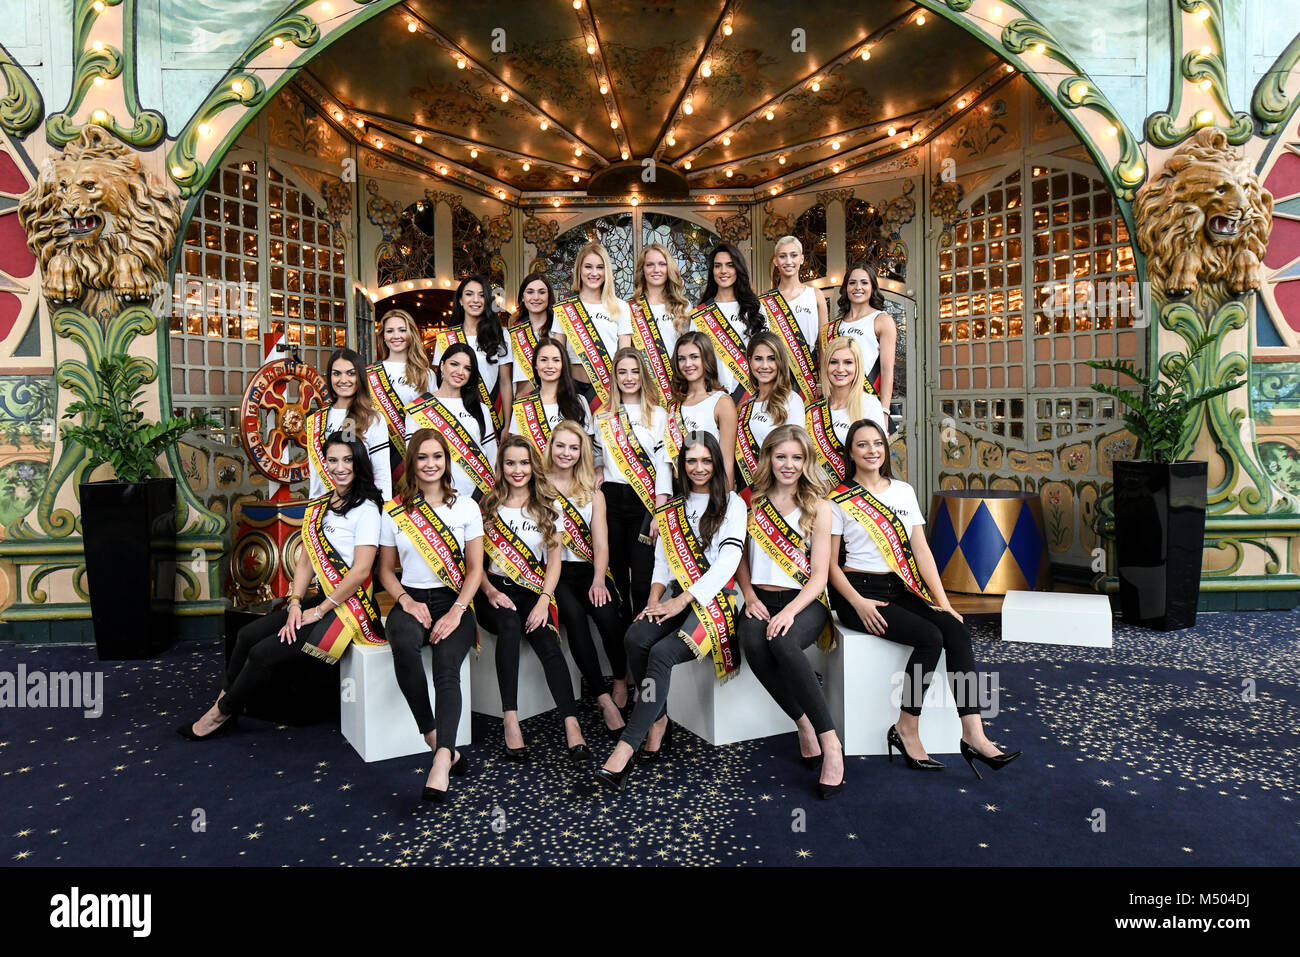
x=606 y=326
x=761 y=423
x=585 y=511
x=358 y=527
x=723 y=553
x=764 y=571
x=871 y=409
x=489 y=371
x=651 y=438
x=377 y=442
x=700 y=417
x=667 y=331
x=863 y=332
x=522 y=524
x=466 y=524
x=554 y=417
x=461 y=479
x=861 y=552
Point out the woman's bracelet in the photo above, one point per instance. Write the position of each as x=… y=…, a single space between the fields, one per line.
x=295 y=598
x=460 y=604
x=401 y=596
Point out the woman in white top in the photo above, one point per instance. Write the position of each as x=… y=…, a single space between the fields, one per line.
x=899 y=596
x=702 y=405
x=591 y=349
x=474 y=323
x=785 y=608
x=458 y=394
x=729 y=289
x=351 y=412
x=658 y=285
x=844 y=402
x=401 y=376
x=806 y=304
x=862 y=317
x=532 y=322
x=773 y=401
x=558 y=395
x=716 y=519
x=430 y=606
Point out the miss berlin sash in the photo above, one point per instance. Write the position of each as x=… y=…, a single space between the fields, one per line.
x=508 y=551
x=887 y=532
x=647 y=338
x=433 y=539
x=782 y=543
x=871 y=381
x=432 y=414
x=580 y=329
x=492 y=399
x=747 y=447
x=782 y=321
x=356 y=618
x=315 y=446
x=577 y=537
x=389 y=405
x=530 y=415
x=822 y=431
x=715 y=620
x=709 y=319
x=634 y=463
x=523 y=345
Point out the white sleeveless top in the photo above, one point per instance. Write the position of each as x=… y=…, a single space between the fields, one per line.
x=700 y=417
x=667 y=331
x=761 y=423
x=651 y=439
x=863 y=332
x=608 y=328
x=585 y=512
x=804 y=307
x=461 y=479
x=726 y=379
x=407 y=392
x=871 y=409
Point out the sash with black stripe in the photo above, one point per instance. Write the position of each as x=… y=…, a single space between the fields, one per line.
x=432 y=538
x=747 y=447
x=633 y=461
x=781 y=320
x=432 y=414
x=389 y=405
x=647 y=337
x=523 y=345
x=316 y=446
x=715 y=619
x=491 y=399
x=575 y=532
x=782 y=543
x=830 y=451
x=727 y=343
x=887 y=532
x=530 y=414
x=580 y=329
x=509 y=553
x=356 y=618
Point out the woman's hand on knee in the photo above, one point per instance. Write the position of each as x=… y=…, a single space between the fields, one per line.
x=756 y=609
x=779 y=623
x=289 y=633
x=445 y=625
x=868 y=610
x=417 y=610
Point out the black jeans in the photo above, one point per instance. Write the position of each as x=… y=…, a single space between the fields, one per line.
x=780 y=664
x=508 y=626
x=631 y=561
x=929 y=632
x=406 y=636
x=258 y=649
x=571 y=598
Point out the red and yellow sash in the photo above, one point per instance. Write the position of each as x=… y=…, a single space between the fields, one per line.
x=575 y=532
x=530 y=415
x=830 y=451
x=674 y=433
x=709 y=319
x=316 y=446
x=509 y=553
x=523 y=346
x=389 y=405
x=647 y=338
x=430 y=413
x=633 y=462
x=747 y=447
x=871 y=381
x=782 y=543
x=356 y=618
x=433 y=539
x=887 y=532
x=716 y=618
x=580 y=329
x=781 y=320
x=490 y=399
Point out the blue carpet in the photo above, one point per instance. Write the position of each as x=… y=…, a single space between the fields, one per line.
x=1160 y=733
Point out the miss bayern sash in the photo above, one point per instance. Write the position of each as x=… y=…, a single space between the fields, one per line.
x=523 y=346
x=715 y=620
x=782 y=543
x=492 y=399
x=316 y=446
x=633 y=462
x=709 y=319
x=782 y=321
x=830 y=451
x=390 y=406
x=356 y=618
x=432 y=538
x=650 y=341
x=530 y=415
x=576 y=535
x=432 y=414
x=870 y=382
x=747 y=447
x=580 y=329
x=887 y=532
x=508 y=551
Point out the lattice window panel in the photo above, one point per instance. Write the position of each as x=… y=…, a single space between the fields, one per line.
x=810 y=230
x=1002 y=415
x=615 y=233
x=690 y=244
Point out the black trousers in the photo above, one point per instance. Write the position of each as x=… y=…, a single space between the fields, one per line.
x=929 y=632
x=508 y=626
x=406 y=636
x=258 y=649
x=631 y=561
x=574 y=604
x=780 y=664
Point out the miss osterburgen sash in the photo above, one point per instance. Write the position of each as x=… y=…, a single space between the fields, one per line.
x=747 y=447
x=829 y=448
x=576 y=535
x=315 y=445
x=429 y=413
x=887 y=532
x=490 y=399
x=781 y=320
x=356 y=618
x=523 y=346
x=709 y=319
x=647 y=338
x=871 y=381
x=715 y=620
x=786 y=547
x=517 y=560
x=531 y=418
x=580 y=329
x=390 y=406
x=633 y=461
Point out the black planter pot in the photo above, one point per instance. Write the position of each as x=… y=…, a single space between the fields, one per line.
x=129 y=532
x=1159 y=541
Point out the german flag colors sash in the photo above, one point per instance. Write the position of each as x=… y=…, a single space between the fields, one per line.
x=523 y=346
x=509 y=553
x=715 y=620
x=781 y=320
x=785 y=546
x=530 y=415
x=490 y=399
x=709 y=319
x=871 y=381
x=432 y=538
x=647 y=338
x=580 y=329
x=356 y=618
x=830 y=451
x=887 y=532
x=316 y=446
x=432 y=414
x=747 y=447
x=389 y=405
x=634 y=463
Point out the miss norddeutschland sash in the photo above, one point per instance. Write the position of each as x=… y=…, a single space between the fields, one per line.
x=430 y=413
x=356 y=618
x=871 y=381
x=492 y=399
x=389 y=405
x=576 y=535
x=782 y=543
x=887 y=532
x=508 y=551
x=716 y=618
x=633 y=462
x=747 y=447
x=830 y=450
x=782 y=321
x=647 y=338
x=523 y=346
x=709 y=319
x=580 y=329
x=315 y=446
x=530 y=415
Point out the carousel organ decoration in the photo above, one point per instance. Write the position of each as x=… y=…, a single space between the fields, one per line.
x=541 y=234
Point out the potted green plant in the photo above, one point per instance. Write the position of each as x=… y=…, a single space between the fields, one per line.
x=128 y=523
x=1160 y=502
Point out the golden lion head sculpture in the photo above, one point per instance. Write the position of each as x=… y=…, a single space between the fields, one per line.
x=97 y=221
x=1204 y=220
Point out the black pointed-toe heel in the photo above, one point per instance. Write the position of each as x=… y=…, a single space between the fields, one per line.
x=517 y=755
x=997 y=762
x=580 y=752
x=892 y=740
x=612 y=780
x=461 y=767
x=644 y=756
x=186 y=731
x=829 y=791
x=814 y=762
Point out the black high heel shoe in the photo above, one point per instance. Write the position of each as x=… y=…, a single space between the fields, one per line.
x=186 y=731
x=517 y=755
x=829 y=791
x=580 y=752
x=997 y=762
x=650 y=757
x=892 y=740
x=461 y=766
x=612 y=780
x=814 y=762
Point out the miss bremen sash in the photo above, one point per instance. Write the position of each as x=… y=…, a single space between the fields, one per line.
x=531 y=417
x=887 y=532
x=356 y=618
x=634 y=463
x=782 y=543
x=576 y=535
x=394 y=412
x=870 y=382
x=432 y=414
x=433 y=539
x=490 y=399
x=747 y=447
x=315 y=446
x=716 y=618
x=709 y=319
x=829 y=448
x=523 y=346
x=576 y=323
x=647 y=338
x=783 y=323
x=517 y=560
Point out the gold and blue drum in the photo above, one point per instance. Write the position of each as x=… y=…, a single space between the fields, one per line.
x=989 y=541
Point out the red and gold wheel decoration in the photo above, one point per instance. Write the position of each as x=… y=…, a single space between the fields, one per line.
x=274 y=414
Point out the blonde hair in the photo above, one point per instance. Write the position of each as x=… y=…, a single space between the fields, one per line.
x=584 y=470
x=540 y=492
x=679 y=307
x=650 y=396
x=416 y=373
x=811 y=486
x=778 y=403
x=783 y=241
x=615 y=307
x=855 y=405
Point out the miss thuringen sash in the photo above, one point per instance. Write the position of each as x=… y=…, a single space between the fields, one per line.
x=432 y=414
x=715 y=620
x=355 y=618
x=782 y=543
x=530 y=415
x=491 y=399
x=650 y=341
x=782 y=321
x=390 y=406
x=887 y=532
x=508 y=551
x=580 y=329
x=523 y=346
x=709 y=319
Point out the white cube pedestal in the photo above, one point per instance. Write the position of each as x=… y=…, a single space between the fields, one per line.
x=1057 y=618
x=374 y=716
x=863 y=685
x=534 y=693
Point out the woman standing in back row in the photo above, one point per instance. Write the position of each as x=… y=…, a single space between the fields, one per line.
x=659 y=313
x=590 y=320
x=862 y=318
x=729 y=315
x=796 y=313
x=474 y=324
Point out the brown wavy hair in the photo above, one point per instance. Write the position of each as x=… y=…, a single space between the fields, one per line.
x=708 y=359
x=651 y=397
x=416 y=373
x=540 y=492
x=778 y=403
x=361 y=410
x=408 y=486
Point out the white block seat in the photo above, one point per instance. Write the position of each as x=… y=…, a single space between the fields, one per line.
x=1057 y=618
x=373 y=713
x=534 y=693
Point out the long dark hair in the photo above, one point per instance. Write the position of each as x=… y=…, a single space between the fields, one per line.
x=491 y=338
x=469 y=393
x=566 y=392
x=751 y=313
x=877 y=298
x=719 y=495
x=361 y=410
x=521 y=315
x=363 y=488
x=850 y=468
